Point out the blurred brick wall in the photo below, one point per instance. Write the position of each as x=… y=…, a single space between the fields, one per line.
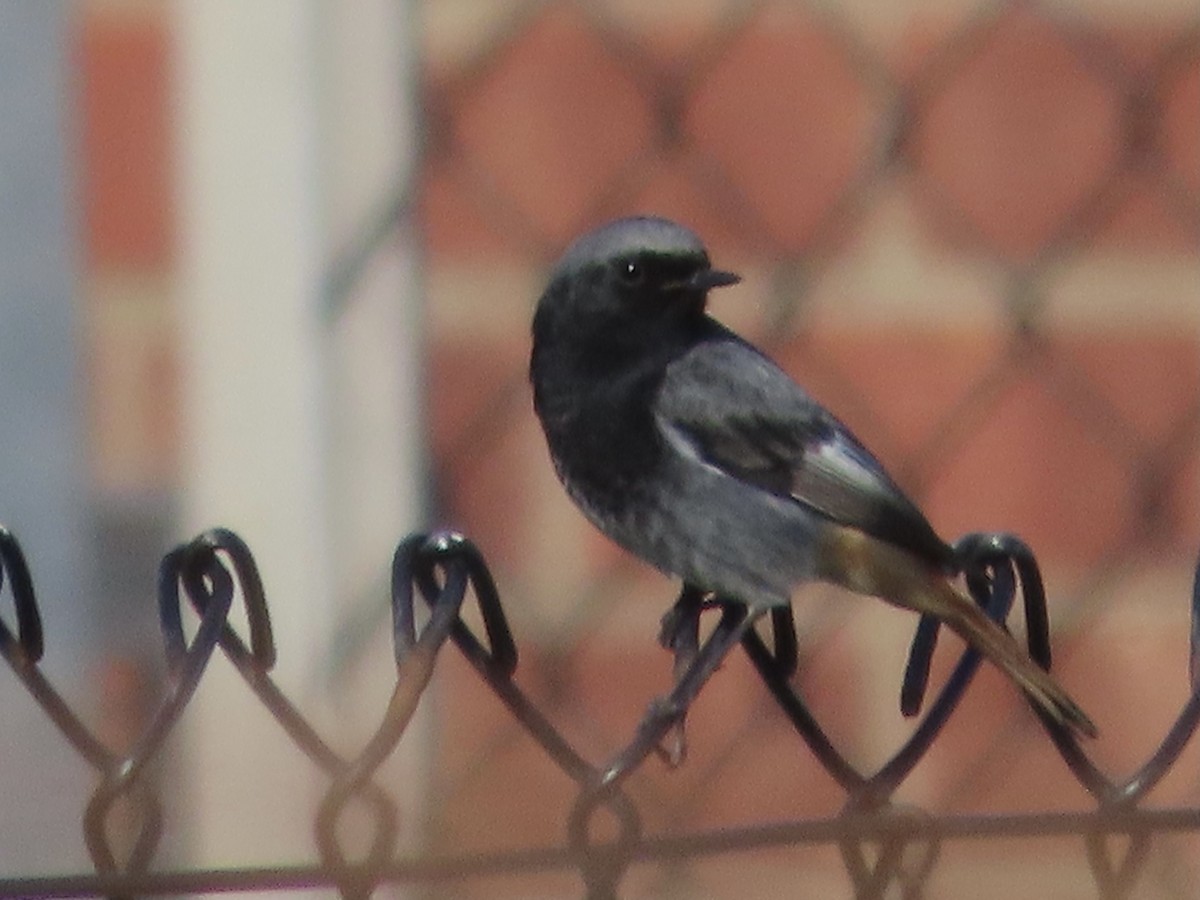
x=126 y=196
x=973 y=230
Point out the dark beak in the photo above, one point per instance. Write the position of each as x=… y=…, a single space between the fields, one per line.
x=706 y=279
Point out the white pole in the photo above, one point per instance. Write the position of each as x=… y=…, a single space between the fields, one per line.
x=254 y=387
x=300 y=434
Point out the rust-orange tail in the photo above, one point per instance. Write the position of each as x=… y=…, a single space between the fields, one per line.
x=871 y=566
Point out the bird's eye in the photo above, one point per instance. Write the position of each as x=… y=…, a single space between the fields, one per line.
x=630 y=271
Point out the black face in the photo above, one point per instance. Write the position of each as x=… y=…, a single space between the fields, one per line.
x=654 y=272
x=631 y=283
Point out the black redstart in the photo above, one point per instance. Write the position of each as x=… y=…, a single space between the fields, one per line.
x=692 y=450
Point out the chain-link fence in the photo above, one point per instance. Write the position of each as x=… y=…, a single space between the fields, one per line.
x=882 y=844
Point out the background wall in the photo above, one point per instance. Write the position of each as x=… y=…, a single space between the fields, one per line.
x=973 y=229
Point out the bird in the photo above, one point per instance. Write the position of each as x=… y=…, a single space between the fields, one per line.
x=691 y=449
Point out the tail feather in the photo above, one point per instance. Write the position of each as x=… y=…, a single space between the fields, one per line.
x=1001 y=648
x=871 y=566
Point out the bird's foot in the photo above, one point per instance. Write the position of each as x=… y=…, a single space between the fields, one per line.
x=682 y=620
x=670 y=627
x=672 y=749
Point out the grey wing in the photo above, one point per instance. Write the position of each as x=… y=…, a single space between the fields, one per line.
x=728 y=405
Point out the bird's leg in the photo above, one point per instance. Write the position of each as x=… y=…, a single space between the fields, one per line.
x=665 y=712
x=683 y=616
x=680 y=633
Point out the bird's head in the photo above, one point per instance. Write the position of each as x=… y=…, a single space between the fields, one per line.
x=635 y=271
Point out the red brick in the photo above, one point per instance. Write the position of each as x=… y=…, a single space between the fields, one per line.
x=990 y=713
x=456 y=223
x=554 y=122
x=489 y=771
x=1143 y=684
x=1151 y=379
x=482 y=448
x=606 y=684
x=787 y=118
x=1020 y=772
x=1134 y=698
x=836 y=672
x=767 y=775
x=467 y=377
x=1030 y=466
x=676 y=187
x=521 y=799
x=484 y=494
x=1182 y=511
x=676 y=35
x=1181 y=126
x=1019 y=136
x=518 y=887
x=1144 y=220
x=1135 y=45
x=126 y=163
x=926 y=39
x=472 y=722
x=863 y=703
